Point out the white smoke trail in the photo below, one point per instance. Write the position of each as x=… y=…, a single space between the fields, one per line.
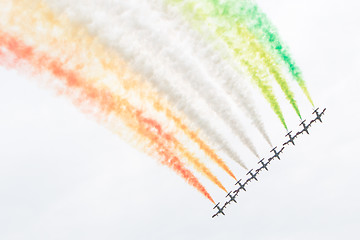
x=132 y=41
x=232 y=82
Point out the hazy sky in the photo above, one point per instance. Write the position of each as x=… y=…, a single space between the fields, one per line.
x=63 y=176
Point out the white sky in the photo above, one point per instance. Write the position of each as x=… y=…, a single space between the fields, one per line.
x=63 y=176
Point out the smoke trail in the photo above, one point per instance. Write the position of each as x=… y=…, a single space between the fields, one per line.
x=83 y=93
x=156 y=73
x=240 y=39
x=234 y=86
x=239 y=47
x=221 y=11
x=191 y=71
x=42 y=19
x=103 y=32
x=199 y=166
x=232 y=82
x=187 y=67
x=248 y=12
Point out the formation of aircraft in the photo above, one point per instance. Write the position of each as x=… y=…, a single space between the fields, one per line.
x=318 y=117
x=264 y=165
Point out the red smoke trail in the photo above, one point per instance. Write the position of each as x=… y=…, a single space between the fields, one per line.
x=83 y=94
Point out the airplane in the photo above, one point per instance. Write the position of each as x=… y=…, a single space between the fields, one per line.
x=232 y=198
x=220 y=210
x=306 y=127
x=241 y=186
x=264 y=165
x=318 y=115
x=291 y=140
x=253 y=176
x=276 y=154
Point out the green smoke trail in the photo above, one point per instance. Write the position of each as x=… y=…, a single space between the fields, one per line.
x=222 y=11
x=248 y=12
x=205 y=18
x=270 y=64
x=269 y=96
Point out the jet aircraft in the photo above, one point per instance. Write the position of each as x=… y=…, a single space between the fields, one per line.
x=241 y=186
x=253 y=176
x=264 y=165
x=291 y=139
x=318 y=115
x=306 y=127
x=220 y=210
x=232 y=198
x=276 y=154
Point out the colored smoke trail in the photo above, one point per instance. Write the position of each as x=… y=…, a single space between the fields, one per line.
x=168 y=78
x=249 y=12
x=267 y=93
x=197 y=164
x=217 y=28
x=222 y=11
x=233 y=83
x=83 y=93
x=105 y=32
x=238 y=39
x=145 y=63
x=78 y=39
x=190 y=72
x=210 y=152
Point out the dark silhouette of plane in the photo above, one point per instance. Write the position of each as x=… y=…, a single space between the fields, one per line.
x=276 y=154
x=291 y=138
x=241 y=186
x=264 y=165
x=220 y=210
x=232 y=198
x=253 y=176
x=306 y=127
x=318 y=115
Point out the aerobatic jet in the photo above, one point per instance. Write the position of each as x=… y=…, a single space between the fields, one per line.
x=241 y=186
x=253 y=176
x=264 y=165
x=291 y=139
x=232 y=198
x=318 y=115
x=220 y=210
x=276 y=154
x=306 y=127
